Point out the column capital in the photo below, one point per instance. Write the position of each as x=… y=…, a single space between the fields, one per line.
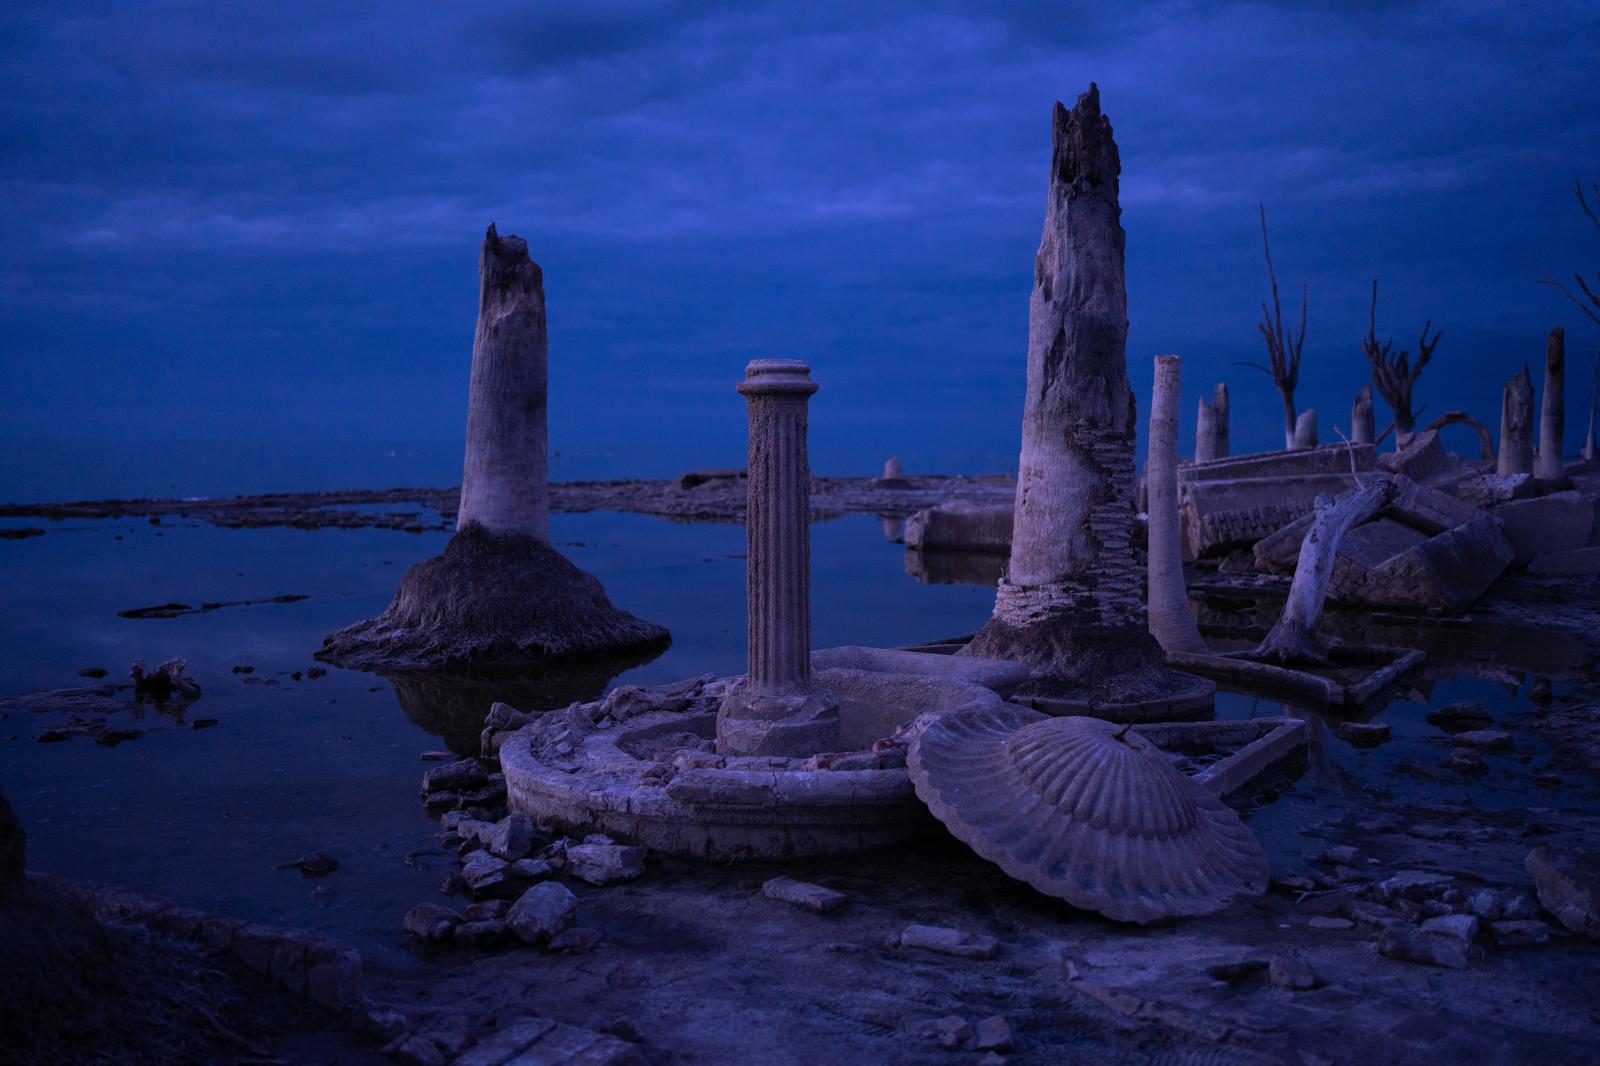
x=777 y=377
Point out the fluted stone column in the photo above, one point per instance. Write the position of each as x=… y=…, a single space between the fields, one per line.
x=1211 y=428
x=504 y=480
x=775 y=711
x=1362 y=428
x=1550 y=464
x=1516 y=425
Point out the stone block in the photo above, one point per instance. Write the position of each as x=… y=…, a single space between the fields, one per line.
x=1546 y=525
x=1580 y=562
x=805 y=895
x=605 y=864
x=961 y=527
x=544 y=911
x=946 y=941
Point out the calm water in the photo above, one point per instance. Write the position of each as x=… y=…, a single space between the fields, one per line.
x=205 y=815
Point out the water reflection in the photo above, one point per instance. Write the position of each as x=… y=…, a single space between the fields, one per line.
x=956 y=568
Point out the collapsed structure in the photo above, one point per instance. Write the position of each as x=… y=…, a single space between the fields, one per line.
x=499 y=596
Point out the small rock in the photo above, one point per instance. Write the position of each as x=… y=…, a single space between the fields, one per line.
x=315 y=672
x=429 y=921
x=578 y=939
x=803 y=894
x=1466 y=761
x=1292 y=883
x=531 y=870
x=1457 y=717
x=482 y=934
x=413 y=1050
x=948 y=941
x=1461 y=926
x=1520 y=907
x=1540 y=691
x=543 y=912
x=992 y=1034
x=488 y=910
x=1413 y=885
x=512 y=837
x=454 y=777
x=313 y=864
x=1429 y=949
x=605 y=864
x=1519 y=934
x=1293 y=973
x=480 y=867
x=436 y=756
x=441 y=801
x=1568 y=886
x=1361 y=734
x=1486 y=905
x=952 y=1032
x=1483 y=740
x=990 y=1058
x=1344 y=855
x=1335 y=925
x=92 y=671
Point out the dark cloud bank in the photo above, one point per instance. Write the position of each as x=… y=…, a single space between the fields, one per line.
x=258 y=222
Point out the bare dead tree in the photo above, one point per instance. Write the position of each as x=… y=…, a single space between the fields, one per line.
x=1395 y=375
x=1283 y=350
x=1592 y=308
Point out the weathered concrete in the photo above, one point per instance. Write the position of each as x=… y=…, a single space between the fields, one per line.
x=1516 y=425
x=961 y=527
x=1550 y=462
x=503 y=481
x=1211 y=427
x=1362 y=429
x=777 y=711
x=1235 y=502
x=1170 y=619
x=1305 y=429
x=1544 y=525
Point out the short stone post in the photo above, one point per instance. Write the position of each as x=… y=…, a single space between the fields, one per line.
x=1211 y=428
x=775 y=711
x=1516 y=425
x=1305 y=429
x=1550 y=464
x=1362 y=429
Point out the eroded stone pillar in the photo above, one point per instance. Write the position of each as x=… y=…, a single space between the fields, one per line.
x=1211 y=428
x=1362 y=428
x=1170 y=620
x=504 y=485
x=1305 y=429
x=1550 y=464
x=1516 y=425
x=775 y=711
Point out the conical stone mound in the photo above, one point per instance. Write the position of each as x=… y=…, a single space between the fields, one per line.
x=493 y=600
x=1087 y=811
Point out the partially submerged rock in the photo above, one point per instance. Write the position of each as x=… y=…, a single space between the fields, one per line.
x=1568 y=884
x=1085 y=811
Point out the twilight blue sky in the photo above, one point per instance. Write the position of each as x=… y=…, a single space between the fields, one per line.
x=257 y=223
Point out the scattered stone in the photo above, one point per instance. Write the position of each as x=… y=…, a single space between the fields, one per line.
x=436 y=756
x=455 y=777
x=1429 y=949
x=512 y=837
x=92 y=671
x=543 y=912
x=429 y=921
x=480 y=869
x=1568 y=886
x=1486 y=905
x=1483 y=740
x=803 y=894
x=579 y=938
x=992 y=1034
x=948 y=941
x=414 y=1050
x=1292 y=883
x=605 y=864
x=1293 y=973
x=1343 y=855
x=1519 y=934
x=1330 y=924
x=487 y=910
x=952 y=1032
x=482 y=934
x=1460 y=717
x=531 y=869
x=1466 y=761
x=1361 y=734
x=1521 y=907
x=312 y=864
x=1413 y=885
x=1461 y=926
x=441 y=801
x=315 y=672
x=1541 y=691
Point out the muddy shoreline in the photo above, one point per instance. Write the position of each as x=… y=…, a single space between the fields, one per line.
x=716 y=498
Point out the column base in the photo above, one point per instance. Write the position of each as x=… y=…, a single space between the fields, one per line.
x=801 y=723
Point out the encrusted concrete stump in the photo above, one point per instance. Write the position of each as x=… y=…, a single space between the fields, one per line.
x=776 y=711
x=500 y=597
x=1211 y=427
x=1516 y=425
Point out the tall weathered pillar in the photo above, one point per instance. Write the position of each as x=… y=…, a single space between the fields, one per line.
x=775 y=711
x=1362 y=429
x=1516 y=425
x=1211 y=427
x=1167 y=607
x=504 y=485
x=1550 y=464
x=1069 y=604
x=1305 y=429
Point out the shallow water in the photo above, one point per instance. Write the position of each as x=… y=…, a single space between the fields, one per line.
x=205 y=815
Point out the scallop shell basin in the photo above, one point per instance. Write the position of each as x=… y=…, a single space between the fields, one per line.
x=1087 y=811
